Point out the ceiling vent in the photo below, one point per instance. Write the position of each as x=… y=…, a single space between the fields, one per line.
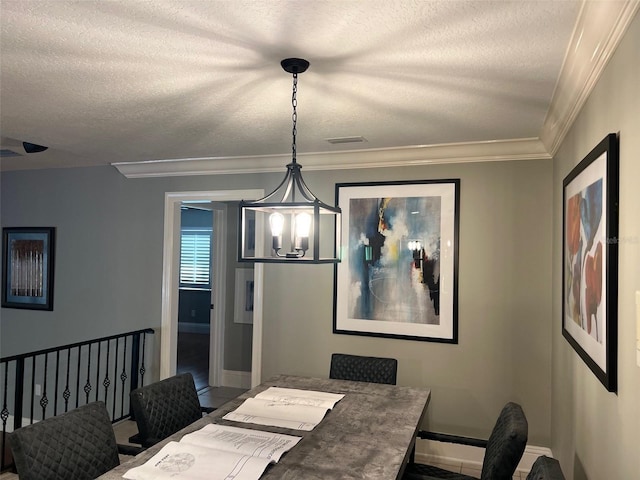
x=339 y=140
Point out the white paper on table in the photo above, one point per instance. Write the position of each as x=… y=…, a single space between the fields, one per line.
x=272 y=422
x=279 y=414
x=242 y=440
x=184 y=461
x=285 y=407
x=301 y=397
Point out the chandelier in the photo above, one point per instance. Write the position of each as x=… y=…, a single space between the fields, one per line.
x=299 y=224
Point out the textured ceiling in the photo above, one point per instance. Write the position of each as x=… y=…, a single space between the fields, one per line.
x=122 y=81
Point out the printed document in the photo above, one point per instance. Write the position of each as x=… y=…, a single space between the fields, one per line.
x=216 y=452
x=286 y=407
x=242 y=440
x=301 y=397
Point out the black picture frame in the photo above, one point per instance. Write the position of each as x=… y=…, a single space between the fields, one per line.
x=28 y=267
x=398 y=277
x=590 y=260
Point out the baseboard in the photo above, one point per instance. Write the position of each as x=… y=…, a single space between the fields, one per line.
x=429 y=451
x=192 y=327
x=236 y=379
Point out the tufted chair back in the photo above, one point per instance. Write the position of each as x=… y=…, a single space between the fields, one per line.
x=162 y=408
x=363 y=369
x=77 y=445
x=506 y=444
x=545 y=468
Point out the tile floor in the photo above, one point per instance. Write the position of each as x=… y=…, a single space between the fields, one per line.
x=472 y=470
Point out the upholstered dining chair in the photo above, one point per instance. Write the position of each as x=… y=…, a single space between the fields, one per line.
x=545 y=468
x=363 y=369
x=76 y=445
x=162 y=408
x=503 y=449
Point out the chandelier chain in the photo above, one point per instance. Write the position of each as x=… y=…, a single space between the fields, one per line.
x=294 y=116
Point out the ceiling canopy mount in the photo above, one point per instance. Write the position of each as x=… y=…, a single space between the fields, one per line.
x=294 y=65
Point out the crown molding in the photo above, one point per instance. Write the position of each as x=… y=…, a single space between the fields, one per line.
x=488 y=151
x=599 y=28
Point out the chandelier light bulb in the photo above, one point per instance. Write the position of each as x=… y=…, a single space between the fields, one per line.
x=303 y=224
x=276 y=222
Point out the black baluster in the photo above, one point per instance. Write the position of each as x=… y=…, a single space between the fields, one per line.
x=19 y=394
x=142 y=369
x=98 y=370
x=44 y=401
x=4 y=414
x=115 y=376
x=87 y=386
x=55 y=389
x=123 y=376
x=67 y=393
x=33 y=385
x=135 y=359
x=78 y=377
x=106 y=382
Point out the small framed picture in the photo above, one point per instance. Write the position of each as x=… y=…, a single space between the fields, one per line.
x=27 y=267
x=243 y=307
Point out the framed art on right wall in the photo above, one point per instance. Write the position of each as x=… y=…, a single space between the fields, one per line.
x=590 y=260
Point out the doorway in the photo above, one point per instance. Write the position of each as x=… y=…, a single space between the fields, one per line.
x=198 y=270
x=170 y=288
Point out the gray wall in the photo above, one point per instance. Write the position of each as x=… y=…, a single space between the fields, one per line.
x=109 y=268
x=107 y=272
x=504 y=303
x=238 y=337
x=595 y=433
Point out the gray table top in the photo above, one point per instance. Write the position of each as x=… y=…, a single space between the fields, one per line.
x=369 y=434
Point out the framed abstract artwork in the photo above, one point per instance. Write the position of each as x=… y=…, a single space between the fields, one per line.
x=590 y=260
x=27 y=267
x=399 y=268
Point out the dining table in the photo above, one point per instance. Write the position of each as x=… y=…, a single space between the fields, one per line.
x=369 y=434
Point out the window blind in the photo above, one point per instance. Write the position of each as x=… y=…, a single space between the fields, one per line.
x=195 y=258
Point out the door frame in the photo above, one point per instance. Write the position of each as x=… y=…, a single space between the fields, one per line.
x=217 y=314
x=170 y=279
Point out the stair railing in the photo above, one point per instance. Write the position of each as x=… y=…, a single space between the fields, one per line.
x=42 y=384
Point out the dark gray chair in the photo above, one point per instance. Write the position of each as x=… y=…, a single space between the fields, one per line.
x=162 y=408
x=77 y=445
x=363 y=369
x=545 y=468
x=503 y=450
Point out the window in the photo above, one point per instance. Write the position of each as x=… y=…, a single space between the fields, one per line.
x=195 y=258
